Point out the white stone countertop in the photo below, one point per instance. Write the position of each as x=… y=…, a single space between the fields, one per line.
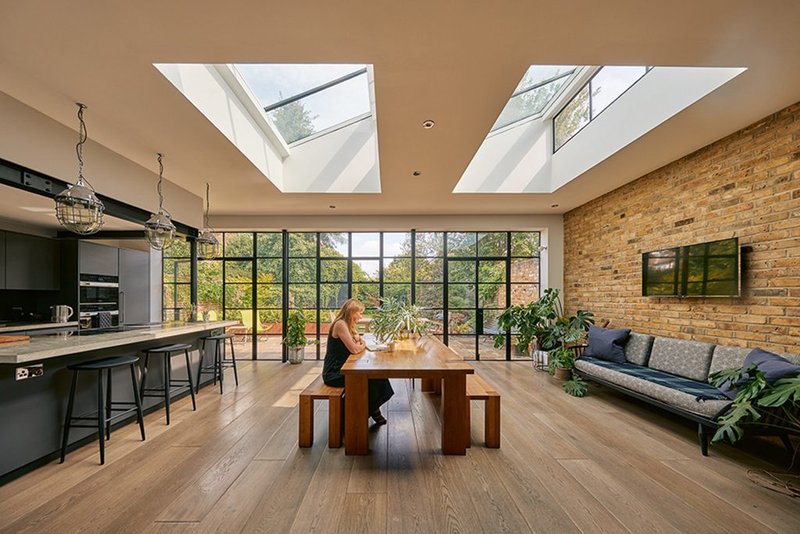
x=36 y=326
x=56 y=345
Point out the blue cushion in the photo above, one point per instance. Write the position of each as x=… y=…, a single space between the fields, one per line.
x=773 y=366
x=607 y=343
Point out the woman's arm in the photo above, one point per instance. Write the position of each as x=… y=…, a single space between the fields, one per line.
x=354 y=345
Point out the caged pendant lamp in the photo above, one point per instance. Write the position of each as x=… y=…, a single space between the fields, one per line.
x=159 y=230
x=207 y=241
x=77 y=207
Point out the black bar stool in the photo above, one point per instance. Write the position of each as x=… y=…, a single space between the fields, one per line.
x=104 y=415
x=167 y=353
x=216 y=369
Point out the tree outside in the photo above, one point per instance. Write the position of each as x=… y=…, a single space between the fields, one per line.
x=293 y=121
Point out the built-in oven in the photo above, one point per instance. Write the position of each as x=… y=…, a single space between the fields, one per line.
x=98 y=306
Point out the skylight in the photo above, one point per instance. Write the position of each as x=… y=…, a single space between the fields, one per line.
x=539 y=85
x=305 y=100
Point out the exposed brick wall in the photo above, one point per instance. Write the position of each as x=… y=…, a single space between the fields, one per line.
x=745 y=185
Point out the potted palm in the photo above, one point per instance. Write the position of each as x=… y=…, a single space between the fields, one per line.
x=295 y=339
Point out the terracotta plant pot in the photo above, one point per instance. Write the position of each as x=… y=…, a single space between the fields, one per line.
x=563 y=374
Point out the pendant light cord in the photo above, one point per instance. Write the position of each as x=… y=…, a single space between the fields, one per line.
x=82 y=137
x=208 y=205
x=160 y=180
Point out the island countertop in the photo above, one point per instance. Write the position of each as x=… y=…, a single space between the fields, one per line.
x=54 y=346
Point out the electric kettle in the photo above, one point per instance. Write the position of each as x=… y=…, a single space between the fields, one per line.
x=61 y=313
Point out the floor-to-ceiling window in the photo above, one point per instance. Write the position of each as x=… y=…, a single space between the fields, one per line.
x=463 y=280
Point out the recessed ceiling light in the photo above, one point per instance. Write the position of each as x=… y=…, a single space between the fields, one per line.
x=553 y=205
x=332 y=207
x=428 y=124
x=417 y=173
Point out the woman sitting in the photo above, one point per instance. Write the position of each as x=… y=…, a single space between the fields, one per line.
x=344 y=340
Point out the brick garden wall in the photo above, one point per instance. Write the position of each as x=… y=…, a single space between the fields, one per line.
x=745 y=185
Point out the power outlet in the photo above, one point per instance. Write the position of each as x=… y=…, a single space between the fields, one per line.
x=31 y=371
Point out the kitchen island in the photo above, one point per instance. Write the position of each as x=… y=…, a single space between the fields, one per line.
x=32 y=410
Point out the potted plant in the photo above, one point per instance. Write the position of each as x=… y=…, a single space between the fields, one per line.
x=394 y=320
x=295 y=339
x=544 y=324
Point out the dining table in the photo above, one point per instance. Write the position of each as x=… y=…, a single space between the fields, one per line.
x=426 y=358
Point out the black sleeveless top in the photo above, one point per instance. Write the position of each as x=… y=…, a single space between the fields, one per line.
x=335 y=356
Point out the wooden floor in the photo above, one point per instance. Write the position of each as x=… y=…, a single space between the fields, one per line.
x=597 y=464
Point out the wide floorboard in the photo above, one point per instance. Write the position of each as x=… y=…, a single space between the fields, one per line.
x=602 y=463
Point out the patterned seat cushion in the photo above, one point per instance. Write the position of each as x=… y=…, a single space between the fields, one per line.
x=637 y=348
x=674 y=397
x=681 y=357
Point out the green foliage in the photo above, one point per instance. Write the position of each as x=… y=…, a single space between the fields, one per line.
x=296 y=330
x=395 y=319
x=543 y=321
x=293 y=121
x=576 y=386
x=560 y=358
x=754 y=396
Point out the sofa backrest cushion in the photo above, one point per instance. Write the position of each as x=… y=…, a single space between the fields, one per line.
x=727 y=357
x=606 y=343
x=681 y=357
x=637 y=348
x=773 y=366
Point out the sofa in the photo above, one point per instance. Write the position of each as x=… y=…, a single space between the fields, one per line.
x=672 y=374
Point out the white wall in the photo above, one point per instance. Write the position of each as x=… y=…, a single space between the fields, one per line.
x=660 y=94
x=42 y=144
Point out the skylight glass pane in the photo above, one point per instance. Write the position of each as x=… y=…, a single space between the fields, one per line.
x=275 y=82
x=537 y=88
x=321 y=109
x=610 y=82
x=572 y=118
x=537 y=74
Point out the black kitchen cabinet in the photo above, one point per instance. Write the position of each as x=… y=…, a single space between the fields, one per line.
x=97 y=259
x=2 y=260
x=134 y=286
x=31 y=262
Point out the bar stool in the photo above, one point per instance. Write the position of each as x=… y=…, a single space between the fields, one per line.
x=167 y=352
x=216 y=370
x=104 y=411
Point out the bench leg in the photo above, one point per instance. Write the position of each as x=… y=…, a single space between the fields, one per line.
x=492 y=423
x=469 y=424
x=335 y=411
x=306 y=426
x=702 y=437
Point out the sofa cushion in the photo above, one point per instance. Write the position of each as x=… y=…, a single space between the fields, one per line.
x=773 y=366
x=689 y=402
x=637 y=348
x=727 y=358
x=681 y=357
x=606 y=343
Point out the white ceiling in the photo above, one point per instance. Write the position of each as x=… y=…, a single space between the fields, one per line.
x=454 y=62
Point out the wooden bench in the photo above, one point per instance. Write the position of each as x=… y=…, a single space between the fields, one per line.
x=318 y=390
x=479 y=389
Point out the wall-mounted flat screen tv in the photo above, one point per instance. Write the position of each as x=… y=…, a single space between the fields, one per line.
x=703 y=270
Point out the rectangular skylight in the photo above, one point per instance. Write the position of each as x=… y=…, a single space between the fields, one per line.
x=304 y=100
x=538 y=87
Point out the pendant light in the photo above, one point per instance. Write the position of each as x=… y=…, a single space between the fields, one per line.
x=159 y=230
x=77 y=207
x=209 y=244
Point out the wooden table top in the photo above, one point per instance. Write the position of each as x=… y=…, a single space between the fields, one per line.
x=428 y=356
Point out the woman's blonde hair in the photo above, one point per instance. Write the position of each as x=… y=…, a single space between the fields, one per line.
x=348 y=311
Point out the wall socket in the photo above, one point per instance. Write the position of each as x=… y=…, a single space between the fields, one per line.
x=30 y=372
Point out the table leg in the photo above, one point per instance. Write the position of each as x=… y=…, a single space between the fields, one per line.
x=454 y=414
x=356 y=426
x=428 y=384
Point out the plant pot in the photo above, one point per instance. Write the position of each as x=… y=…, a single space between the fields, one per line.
x=562 y=374
x=296 y=354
